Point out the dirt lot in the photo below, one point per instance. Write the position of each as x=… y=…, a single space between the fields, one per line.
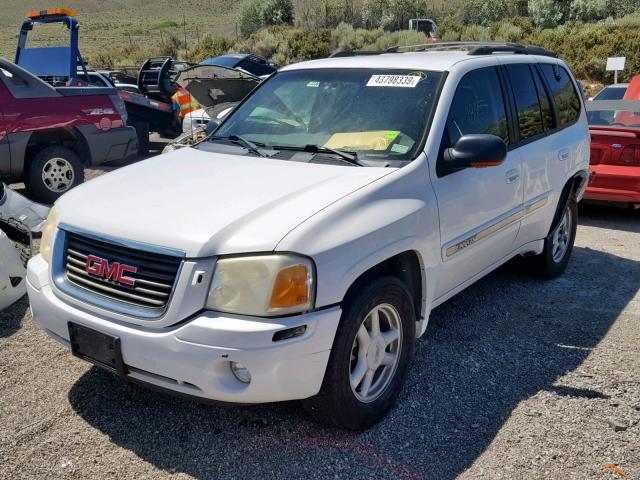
x=515 y=378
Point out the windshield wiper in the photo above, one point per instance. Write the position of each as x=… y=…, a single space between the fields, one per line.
x=350 y=157
x=252 y=147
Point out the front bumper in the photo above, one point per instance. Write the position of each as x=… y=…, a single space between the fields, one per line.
x=614 y=183
x=193 y=358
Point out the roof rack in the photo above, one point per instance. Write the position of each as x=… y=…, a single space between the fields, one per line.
x=475 y=48
x=354 y=53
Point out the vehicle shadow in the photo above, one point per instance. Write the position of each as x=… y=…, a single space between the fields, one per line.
x=11 y=317
x=609 y=217
x=494 y=345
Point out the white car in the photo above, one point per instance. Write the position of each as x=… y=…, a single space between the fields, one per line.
x=19 y=218
x=298 y=253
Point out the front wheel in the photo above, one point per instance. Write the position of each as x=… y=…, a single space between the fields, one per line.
x=558 y=245
x=370 y=357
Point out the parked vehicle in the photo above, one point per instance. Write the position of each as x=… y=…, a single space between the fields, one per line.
x=247 y=62
x=298 y=253
x=49 y=135
x=63 y=65
x=614 y=167
x=217 y=89
x=19 y=218
x=611 y=92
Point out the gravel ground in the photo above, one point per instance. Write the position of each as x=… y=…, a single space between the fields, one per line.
x=515 y=378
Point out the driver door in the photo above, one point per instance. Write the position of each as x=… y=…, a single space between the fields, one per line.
x=479 y=208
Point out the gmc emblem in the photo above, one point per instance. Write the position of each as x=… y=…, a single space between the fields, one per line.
x=99 y=267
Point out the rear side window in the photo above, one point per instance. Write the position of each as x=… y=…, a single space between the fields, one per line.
x=527 y=103
x=477 y=107
x=564 y=93
x=548 y=121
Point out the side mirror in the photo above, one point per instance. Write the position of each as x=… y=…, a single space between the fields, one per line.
x=475 y=151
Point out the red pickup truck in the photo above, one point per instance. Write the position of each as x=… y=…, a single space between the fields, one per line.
x=48 y=135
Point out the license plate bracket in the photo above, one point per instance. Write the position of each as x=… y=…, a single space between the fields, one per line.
x=101 y=349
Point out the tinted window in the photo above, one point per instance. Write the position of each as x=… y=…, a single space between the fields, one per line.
x=611 y=93
x=256 y=68
x=564 y=93
x=94 y=81
x=9 y=77
x=477 y=107
x=548 y=120
x=527 y=104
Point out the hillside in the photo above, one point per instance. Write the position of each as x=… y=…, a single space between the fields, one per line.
x=107 y=23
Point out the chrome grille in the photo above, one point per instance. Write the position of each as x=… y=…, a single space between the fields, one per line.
x=153 y=280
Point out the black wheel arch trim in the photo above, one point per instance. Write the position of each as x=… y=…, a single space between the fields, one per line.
x=571 y=189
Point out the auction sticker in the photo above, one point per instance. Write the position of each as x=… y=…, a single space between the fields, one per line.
x=404 y=81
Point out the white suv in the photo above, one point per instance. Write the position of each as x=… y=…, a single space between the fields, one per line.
x=298 y=252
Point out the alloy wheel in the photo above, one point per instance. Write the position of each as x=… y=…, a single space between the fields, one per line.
x=375 y=352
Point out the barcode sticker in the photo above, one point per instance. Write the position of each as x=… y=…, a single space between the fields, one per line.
x=403 y=81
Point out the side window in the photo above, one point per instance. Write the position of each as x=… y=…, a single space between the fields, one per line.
x=564 y=93
x=548 y=120
x=477 y=107
x=14 y=83
x=527 y=104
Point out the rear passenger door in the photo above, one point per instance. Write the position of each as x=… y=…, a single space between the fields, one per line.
x=534 y=120
x=546 y=107
x=478 y=207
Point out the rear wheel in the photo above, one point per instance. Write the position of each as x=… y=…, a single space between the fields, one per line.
x=558 y=245
x=53 y=171
x=370 y=357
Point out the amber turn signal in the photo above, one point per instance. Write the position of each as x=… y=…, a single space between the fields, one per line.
x=291 y=287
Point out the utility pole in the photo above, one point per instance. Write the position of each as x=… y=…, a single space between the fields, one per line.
x=184 y=28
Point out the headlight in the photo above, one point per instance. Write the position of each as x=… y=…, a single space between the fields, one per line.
x=262 y=285
x=48 y=234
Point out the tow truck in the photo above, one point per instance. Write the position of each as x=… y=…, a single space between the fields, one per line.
x=150 y=112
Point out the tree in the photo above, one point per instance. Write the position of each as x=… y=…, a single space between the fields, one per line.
x=548 y=13
x=277 y=12
x=588 y=10
x=263 y=13
x=251 y=18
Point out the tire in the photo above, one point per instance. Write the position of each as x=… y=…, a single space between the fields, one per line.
x=53 y=171
x=338 y=403
x=142 y=132
x=552 y=262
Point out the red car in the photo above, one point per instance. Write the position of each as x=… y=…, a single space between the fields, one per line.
x=49 y=135
x=615 y=151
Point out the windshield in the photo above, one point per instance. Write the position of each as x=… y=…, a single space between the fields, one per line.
x=611 y=93
x=614 y=113
x=376 y=113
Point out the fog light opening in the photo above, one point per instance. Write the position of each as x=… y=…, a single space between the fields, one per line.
x=289 y=333
x=240 y=372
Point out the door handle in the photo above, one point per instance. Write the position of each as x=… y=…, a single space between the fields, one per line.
x=563 y=155
x=512 y=176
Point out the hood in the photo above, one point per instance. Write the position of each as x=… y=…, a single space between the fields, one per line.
x=208 y=203
x=212 y=85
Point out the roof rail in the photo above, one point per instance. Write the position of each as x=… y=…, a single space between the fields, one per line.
x=353 y=53
x=475 y=48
